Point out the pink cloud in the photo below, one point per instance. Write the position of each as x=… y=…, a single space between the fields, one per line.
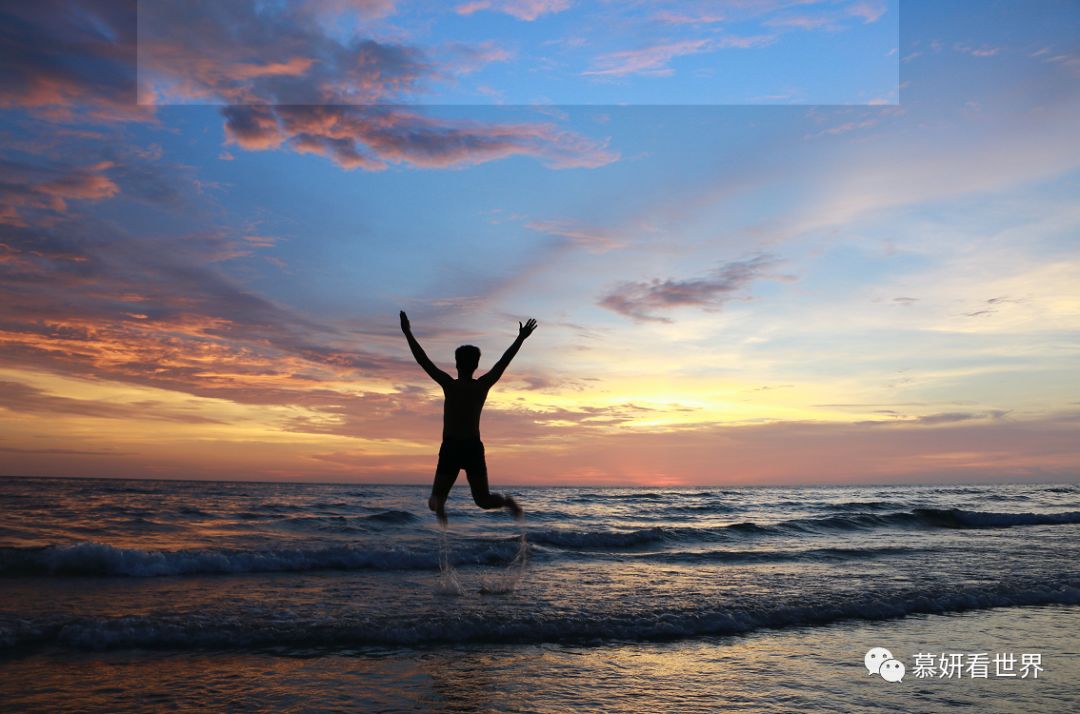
x=528 y=10
x=868 y=10
x=87 y=184
x=594 y=240
x=804 y=22
x=470 y=7
x=647 y=60
x=295 y=67
x=255 y=128
x=677 y=18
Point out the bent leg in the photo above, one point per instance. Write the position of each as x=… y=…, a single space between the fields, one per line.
x=476 y=472
x=478 y=484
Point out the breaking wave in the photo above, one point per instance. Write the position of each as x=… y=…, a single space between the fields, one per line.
x=90 y=558
x=916 y=518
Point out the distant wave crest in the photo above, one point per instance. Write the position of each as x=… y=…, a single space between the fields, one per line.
x=956 y=517
x=90 y=558
x=916 y=518
x=94 y=558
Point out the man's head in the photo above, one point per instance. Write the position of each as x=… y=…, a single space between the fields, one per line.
x=468 y=359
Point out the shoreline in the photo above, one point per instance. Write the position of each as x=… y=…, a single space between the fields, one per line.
x=800 y=669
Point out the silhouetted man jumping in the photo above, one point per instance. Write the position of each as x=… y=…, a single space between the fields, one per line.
x=464 y=400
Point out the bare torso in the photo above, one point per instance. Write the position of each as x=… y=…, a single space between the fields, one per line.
x=461 y=410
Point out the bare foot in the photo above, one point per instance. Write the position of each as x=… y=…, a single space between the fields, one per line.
x=515 y=510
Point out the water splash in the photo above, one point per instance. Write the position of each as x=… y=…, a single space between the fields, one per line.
x=508 y=580
x=449 y=583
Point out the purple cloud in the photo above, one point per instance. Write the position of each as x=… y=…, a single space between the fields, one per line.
x=642 y=300
x=38 y=191
x=65 y=60
x=373 y=138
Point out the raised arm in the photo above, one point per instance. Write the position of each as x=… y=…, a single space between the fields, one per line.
x=421 y=357
x=497 y=371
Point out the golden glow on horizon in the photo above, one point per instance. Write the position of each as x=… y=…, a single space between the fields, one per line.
x=565 y=436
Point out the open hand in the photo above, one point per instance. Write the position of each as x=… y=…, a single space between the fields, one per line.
x=526 y=329
x=405 y=323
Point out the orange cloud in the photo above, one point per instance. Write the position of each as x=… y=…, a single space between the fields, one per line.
x=29 y=188
x=295 y=67
x=372 y=138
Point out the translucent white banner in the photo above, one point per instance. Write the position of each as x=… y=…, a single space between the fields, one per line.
x=518 y=52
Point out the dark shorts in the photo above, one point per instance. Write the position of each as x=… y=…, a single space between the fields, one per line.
x=457 y=454
x=468 y=454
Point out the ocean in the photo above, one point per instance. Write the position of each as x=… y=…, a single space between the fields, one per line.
x=135 y=595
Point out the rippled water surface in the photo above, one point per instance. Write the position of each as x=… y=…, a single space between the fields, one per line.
x=189 y=572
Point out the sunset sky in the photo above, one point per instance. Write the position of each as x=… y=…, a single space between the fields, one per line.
x=767 y=241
